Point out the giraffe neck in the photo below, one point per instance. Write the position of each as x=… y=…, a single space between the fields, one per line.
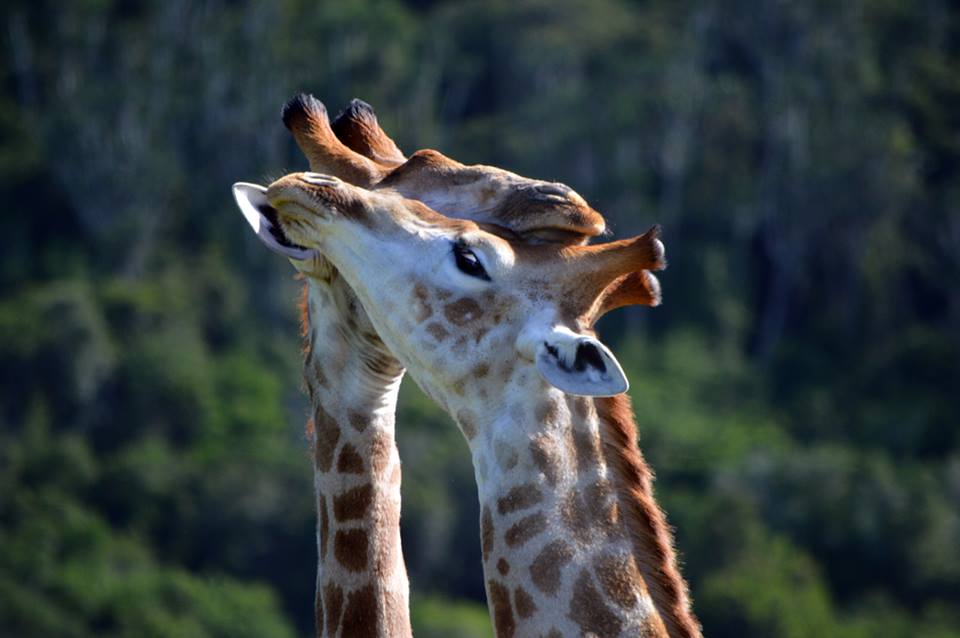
x=560 y=551
x=362 y=585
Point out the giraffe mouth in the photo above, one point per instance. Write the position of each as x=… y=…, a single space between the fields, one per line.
x=265 y=221
x=275 y=228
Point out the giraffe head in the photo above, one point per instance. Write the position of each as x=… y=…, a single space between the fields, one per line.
x=453 y=299
x=354 y=148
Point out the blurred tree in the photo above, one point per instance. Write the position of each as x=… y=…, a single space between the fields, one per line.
x=796 y=392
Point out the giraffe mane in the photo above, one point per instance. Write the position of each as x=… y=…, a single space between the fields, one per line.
x=650 y=533
x=303 y=309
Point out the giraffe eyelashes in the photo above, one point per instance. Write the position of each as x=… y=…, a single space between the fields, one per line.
x=468 y=263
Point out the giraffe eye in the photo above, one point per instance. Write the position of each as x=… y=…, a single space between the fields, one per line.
x=468 y=262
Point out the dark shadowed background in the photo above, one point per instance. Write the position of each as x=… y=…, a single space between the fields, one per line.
x=797 y=393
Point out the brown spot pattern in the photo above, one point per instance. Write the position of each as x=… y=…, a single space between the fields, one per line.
x=481 y=370
x=582 y=407
x=547 y=568
x=360 y=618
x=359 y=421
x=503 y=567
x=603 y=508
x=353 y=503
x=486 y=533
x=324 y=525
x=437 y=331
x=586 y=450
x=462 y=311
x=599 y=491
x=619 y=578
x=318 y=614
x=318 y=373
x=328 y=433
x=524 y=603
x=350 y=548
x=519 y=498
x=503 y=621
x=547 y=457
x=349 y=461
x=333 y=603
x=467 y=423
x=547 y=412
x=421 y=304
x=576 y=516
x=588 y=610
x=506 y=456
x=525 y=529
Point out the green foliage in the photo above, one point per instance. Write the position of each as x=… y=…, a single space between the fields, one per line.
x=793 y=601
x=65 y=572
x=441 y=543
x=438 y=617
x=796 y=392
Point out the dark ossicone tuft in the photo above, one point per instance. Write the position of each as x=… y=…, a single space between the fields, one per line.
x=301 y=105
x=357 y=127
x=357 y=110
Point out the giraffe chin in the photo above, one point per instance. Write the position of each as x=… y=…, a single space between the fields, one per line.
x=263 y=219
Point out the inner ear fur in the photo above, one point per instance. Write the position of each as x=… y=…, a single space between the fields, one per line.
x=580 y=365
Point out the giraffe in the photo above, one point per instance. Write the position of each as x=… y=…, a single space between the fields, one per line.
x=340 y=341
x=362 y=583
x=499 y=333
x=352 y=382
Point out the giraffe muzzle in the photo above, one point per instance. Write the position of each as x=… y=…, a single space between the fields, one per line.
x=263 y=219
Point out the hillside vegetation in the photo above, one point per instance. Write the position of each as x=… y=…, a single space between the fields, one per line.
x=797 y=392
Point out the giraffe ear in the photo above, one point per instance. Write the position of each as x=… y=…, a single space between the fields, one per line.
x=252 y=200
x=579 y=364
